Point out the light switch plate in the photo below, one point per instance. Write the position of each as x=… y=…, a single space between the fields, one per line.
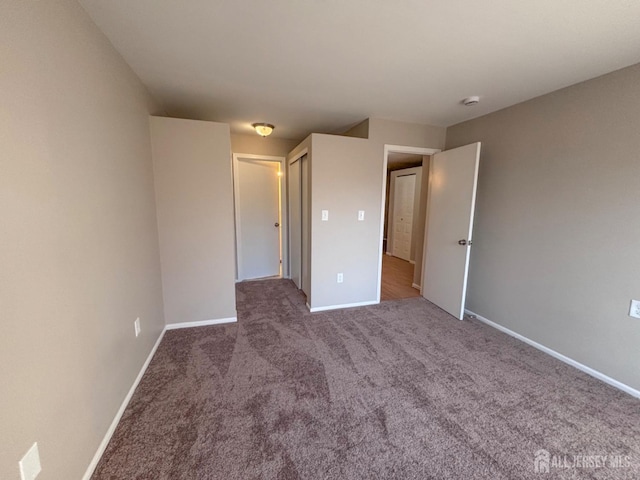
x=30 y=464
x=634 y=309
x=360 y=215
x=325 y=215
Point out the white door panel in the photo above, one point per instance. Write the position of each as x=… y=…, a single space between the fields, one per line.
x=404 y=191
x=258 y=204
x=295 y=223
x=453 y=182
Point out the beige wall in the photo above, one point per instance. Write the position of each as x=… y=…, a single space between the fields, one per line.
x=555 y=255
x=360 y=130
x=423 y=214
x=194 y=200
x=344 y=181
x=257 y=145
x=346 y=176
x=390 y=132
x=79 y=249
x=416 y=214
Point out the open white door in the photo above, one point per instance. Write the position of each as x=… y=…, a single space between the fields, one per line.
x=453 y=180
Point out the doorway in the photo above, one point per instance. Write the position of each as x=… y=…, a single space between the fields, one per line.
x=258 y=192
x=451 y=179
x=403 y=229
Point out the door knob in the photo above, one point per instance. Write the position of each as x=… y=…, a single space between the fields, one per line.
x=465 y=242
x=276 y=224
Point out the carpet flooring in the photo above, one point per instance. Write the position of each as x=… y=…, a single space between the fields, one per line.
x=398 y=390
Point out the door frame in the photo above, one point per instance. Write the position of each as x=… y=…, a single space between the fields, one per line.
x=281 y=210
x=387 y=150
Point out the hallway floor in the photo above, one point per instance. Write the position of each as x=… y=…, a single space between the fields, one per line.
x=397 y=278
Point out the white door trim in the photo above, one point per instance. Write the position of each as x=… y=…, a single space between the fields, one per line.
x=298 y=156
x=387 y=150
x=283 y=218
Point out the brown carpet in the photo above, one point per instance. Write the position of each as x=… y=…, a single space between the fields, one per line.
x=393 y=391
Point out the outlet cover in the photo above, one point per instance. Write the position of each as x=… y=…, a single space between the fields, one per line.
x=634 y=309
x=30 y=463
x=340 y=278
x=136 y=326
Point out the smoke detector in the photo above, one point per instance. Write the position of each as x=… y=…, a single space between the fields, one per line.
x=470 y=101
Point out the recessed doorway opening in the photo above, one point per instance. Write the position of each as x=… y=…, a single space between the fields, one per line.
x=407 y=175
x=448 y=211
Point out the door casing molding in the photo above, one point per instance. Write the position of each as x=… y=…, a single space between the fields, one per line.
x=387 y=150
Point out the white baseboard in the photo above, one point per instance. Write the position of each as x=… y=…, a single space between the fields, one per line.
x=588 y=370
x=346 y=305
x=416 y=286
x=112 y=428
x=201 y=323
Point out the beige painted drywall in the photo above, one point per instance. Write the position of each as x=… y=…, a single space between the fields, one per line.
x=423 y=213
x=360 y=130
x=344 y=180
x=257 y=145
x=79 y=248
x=416 y=214
x=391 y=132
x=347 y=175
x=555 y=255
x=194 y=201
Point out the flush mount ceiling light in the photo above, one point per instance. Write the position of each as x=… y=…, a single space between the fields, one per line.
x=470 y=101
x=263 y=129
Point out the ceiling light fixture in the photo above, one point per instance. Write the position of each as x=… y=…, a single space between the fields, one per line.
x=470 y=101
x=263 y=129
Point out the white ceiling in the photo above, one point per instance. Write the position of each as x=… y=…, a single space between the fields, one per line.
x=322 y=65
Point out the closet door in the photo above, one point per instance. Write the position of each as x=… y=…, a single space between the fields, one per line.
x=305 y=209
x=295 y=222
x=403 y=202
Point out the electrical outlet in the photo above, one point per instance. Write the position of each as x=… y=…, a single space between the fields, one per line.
x=634 y=309
x=136 y=326
x=325 y=215
x=340 y=278
x=30 y=463
x=360 y=215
